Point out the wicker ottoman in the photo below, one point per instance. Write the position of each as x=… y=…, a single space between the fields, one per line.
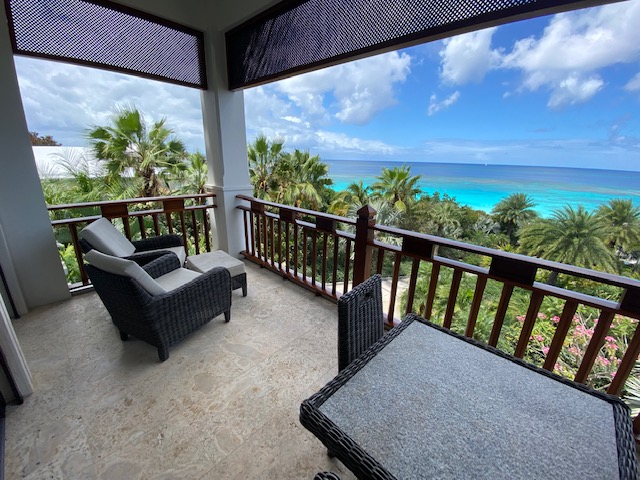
x=206 y=261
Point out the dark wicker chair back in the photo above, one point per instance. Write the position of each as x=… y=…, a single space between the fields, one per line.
x=360 y=320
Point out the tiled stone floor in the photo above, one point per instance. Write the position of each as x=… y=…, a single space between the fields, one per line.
x=223 y=406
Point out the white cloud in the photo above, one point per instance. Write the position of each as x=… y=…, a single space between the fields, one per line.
x=63 y=100
x=468 y=57
x=352 y=92
x=435 y=106
x=633 y=85
x=574 y=90
x=573 y=47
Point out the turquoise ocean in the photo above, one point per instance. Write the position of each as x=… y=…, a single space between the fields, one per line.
x=482 y=186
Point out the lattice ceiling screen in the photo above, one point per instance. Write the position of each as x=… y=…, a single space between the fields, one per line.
x=107 y=35
x=299 y=35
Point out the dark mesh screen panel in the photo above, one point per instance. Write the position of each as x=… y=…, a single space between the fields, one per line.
x=298 y=35
x=109 y=36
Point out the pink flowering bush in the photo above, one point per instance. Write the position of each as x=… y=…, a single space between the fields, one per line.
x=575 y=344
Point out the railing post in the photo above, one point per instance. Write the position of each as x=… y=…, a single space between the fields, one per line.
x=363 y=249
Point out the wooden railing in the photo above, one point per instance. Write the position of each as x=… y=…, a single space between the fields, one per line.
x=138 y=218
x=328 y=254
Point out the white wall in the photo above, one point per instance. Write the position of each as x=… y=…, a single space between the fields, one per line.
x=31 y=247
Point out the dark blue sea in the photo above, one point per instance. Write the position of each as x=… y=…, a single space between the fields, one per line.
x=482 y=186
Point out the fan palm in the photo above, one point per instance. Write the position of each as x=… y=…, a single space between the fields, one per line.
x=622 y=220
x=513 y=212
x=303 y=179
x=129 y=143
x=572 y=236
x=348 y=201
x=397 y=186
x=263 y=156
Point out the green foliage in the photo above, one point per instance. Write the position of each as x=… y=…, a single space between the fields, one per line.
x=295 y=178
x=128 y=142
x=572 y=236
x=42 y=140
x=513 y=212
x=397 y=186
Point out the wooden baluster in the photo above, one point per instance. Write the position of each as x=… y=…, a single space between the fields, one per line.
x=324 y=261
x=253 y=235
x=627 y=364
x=246 y=231
x=314 y=256
x=143 y=232
x=334 y=285
x=196 y=233
x=529 y=323
x=562 y=329
x=156 y=224
x=259 y=235
x=280 y=244
x=505 y=297
x=595 y=344
x=205 y=230
x=481 y=283
x=412 y=285
x=347 y=265
x=169 y=222
x=272 y=240
x=287 y=250
x=265 y=236
x=304 y=254
x=185 y=236
x=431 y=294
x=295 y=249
x=453 y=297
x=73 y=229
x=394 y=288
x=380 y=262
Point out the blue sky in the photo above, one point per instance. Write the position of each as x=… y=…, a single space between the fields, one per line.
x=562 y=90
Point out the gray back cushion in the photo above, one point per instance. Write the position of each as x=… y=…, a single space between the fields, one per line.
x=125 y=268
x=103 y=236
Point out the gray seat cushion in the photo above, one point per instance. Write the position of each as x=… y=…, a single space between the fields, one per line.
x=176 y=278
x=207 y=261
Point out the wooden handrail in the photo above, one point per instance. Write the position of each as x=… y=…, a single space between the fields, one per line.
x=292 y=254
x=186 y=217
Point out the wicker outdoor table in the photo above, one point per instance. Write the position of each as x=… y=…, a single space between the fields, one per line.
x=424 y=402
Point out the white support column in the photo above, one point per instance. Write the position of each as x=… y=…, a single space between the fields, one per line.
x=29 y=258
x=226 y=146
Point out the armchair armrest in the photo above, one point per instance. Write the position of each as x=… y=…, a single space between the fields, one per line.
x=158 y=266
x=155 y=243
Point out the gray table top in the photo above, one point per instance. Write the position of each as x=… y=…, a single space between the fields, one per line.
x=432 y=406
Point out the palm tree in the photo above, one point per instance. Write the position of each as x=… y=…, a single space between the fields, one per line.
x=190 y=176
x=575 y=237
x=444 y=219
x=349 y=201
x=129 y=143
x=397 y=186
x=302 y=179
x=622 y=220
x=263 y=156
x=513 y=212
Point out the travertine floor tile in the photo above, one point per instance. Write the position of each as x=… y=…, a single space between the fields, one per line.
x=224 y=405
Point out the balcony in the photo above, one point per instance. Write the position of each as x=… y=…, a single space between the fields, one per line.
x=225 y=405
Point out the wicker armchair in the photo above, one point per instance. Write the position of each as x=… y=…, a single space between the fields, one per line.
x=326 y=476
x=360 y=320
x=190 y=300
x=106 y=238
